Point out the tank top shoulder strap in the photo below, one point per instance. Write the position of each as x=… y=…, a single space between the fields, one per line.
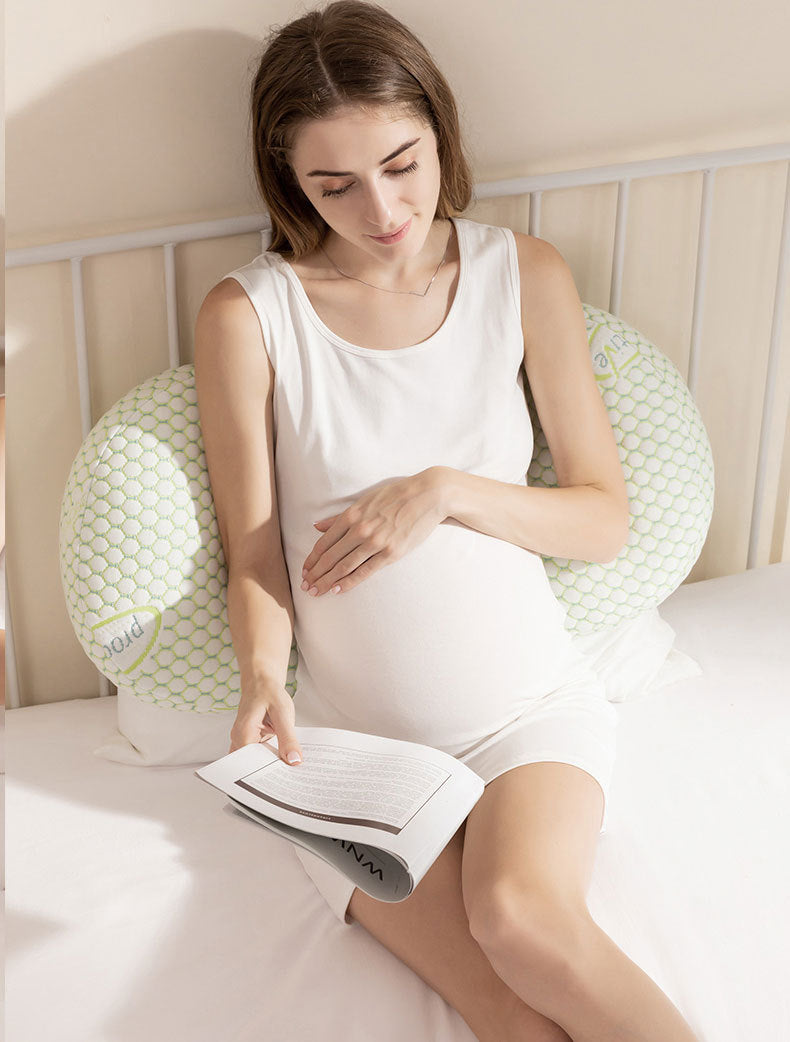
x=494 y=261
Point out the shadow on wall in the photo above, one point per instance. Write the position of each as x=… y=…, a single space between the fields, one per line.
x=157 y=129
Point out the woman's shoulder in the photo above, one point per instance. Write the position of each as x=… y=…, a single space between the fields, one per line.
x=263 y=269
x=532 y=252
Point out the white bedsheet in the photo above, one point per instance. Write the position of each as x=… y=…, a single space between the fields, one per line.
x=138 y=909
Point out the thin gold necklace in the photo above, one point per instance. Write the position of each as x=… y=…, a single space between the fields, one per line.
x=414 y=293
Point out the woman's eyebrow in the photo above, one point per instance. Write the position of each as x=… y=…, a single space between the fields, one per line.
x=345 y=173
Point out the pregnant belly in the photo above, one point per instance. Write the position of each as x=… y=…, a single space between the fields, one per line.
x=442 y=646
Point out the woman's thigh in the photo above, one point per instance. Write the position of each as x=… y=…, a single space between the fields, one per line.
x=429 y=932
x=530 y=846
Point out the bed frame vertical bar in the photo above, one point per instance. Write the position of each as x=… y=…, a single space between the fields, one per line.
x=171 y=294
x=534 y=212
x=618 y=250
x=700 y=279
x=83 y=383
x=770 y=378
x=11 y=675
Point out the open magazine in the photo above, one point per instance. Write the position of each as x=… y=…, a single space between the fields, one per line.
x=380 y=810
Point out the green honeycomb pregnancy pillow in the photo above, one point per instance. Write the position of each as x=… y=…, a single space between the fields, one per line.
x=144 y=574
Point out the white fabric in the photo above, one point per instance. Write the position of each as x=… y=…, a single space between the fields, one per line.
x=152 y=735
x=637 y=657
x=450 y=642
x=141 y=909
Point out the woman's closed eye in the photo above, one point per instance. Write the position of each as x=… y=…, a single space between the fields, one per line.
x=396 y=173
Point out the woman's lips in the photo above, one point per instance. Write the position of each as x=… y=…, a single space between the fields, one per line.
x=396 y=235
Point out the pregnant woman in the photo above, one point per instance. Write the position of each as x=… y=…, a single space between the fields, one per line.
x=361 y=394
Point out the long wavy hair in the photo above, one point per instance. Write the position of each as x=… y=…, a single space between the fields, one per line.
x=348 y=53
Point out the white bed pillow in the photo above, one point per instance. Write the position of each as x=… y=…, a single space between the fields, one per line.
x=637 y=657
x=151 y=735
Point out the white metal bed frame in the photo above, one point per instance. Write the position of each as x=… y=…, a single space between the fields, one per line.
x=623 y=173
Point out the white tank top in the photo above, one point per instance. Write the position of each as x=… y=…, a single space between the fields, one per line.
x=444 y=645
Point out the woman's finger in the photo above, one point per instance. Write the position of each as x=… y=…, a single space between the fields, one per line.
x=348 y=572
x=339 y=558
x=365 y=570
x=327 y=540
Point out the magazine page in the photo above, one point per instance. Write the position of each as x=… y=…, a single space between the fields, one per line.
x=380 y=792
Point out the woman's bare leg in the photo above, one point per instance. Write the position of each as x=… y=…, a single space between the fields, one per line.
x=528 y=859
x=429 y=932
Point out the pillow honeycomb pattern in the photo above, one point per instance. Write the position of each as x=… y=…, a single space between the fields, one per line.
x=142 y=564
x=668 y=467
x=141 y=559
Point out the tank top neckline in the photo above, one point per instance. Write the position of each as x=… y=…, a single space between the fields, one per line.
x=356 y=349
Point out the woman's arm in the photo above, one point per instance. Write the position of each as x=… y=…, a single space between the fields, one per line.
x=234 y=381
x=582 y=523
x=234 y=390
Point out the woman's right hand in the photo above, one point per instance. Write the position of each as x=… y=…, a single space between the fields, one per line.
x=265 y=711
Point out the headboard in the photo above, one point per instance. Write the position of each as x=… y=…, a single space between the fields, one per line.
x=682 y=210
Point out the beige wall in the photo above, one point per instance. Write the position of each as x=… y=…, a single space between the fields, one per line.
x=127 y=116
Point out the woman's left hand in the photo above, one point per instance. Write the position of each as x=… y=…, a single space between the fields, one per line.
x=379 y=528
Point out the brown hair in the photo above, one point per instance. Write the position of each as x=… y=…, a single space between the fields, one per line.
x=348 y=53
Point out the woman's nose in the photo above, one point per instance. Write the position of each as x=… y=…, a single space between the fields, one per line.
x=377 y=209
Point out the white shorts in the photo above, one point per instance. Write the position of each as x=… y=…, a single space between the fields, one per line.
x=572 y=724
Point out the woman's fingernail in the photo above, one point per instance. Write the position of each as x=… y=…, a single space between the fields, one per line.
x=305 y=584
x=294 y=757
x=313 y=591
x=335 y=589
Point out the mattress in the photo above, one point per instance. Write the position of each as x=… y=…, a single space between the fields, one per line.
x=139 y=907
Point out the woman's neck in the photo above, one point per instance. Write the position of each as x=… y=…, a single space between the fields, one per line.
x=413 y=273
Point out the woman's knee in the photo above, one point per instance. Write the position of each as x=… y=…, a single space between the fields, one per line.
x=541 y=929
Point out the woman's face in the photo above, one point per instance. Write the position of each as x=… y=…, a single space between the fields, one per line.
x=357 y=174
